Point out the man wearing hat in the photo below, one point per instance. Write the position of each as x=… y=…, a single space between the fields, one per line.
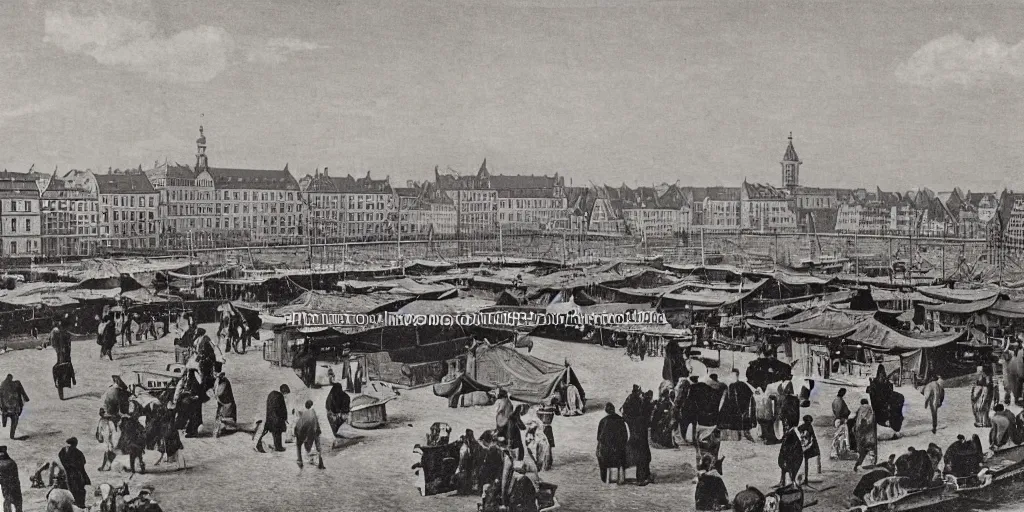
x=10 y=485
x=276 y=420
x=144 y=501
x=73 y=461
x=12 y=401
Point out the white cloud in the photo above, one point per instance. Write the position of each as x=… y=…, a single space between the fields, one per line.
x=194 y=55
x=277 y=50
x=958 y=60
x=49 y=104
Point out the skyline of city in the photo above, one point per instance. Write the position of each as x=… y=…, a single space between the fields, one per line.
x=591 y=90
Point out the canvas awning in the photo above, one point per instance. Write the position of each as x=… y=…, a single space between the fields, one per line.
x=856 y=327
x=963 y=308
x=958 y=294
x=791 y=279
x=1006 y=308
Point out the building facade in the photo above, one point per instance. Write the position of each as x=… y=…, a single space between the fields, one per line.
x=187 y=206
x=476 y=202
x=128 y=209
x=70 y=220
x=531 y=203
x=20 y=225
x=347 y=208
x=765 y=209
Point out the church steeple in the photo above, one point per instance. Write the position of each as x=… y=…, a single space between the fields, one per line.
x=201 y=164
x=790 y=166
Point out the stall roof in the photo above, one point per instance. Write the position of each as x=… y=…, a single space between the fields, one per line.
x=885 y=295
x=445 y=307
x=320 y=302
x=794 y=279
x=959 y=294
x=855 y=326
x=1007 y=308
x=963 y=308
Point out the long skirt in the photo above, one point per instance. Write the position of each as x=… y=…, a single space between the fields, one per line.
x=980 y=406
x=768 y=432
x=840 y=443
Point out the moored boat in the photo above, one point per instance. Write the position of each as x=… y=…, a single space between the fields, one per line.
x=1002 y=466
x=909 y=500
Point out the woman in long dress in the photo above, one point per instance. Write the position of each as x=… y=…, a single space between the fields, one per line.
x=662 y=422
x=981 y=399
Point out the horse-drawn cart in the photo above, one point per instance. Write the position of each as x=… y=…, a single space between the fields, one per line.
x=157 y=383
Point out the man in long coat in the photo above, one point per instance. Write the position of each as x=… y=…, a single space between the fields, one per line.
x=865 y=430
x=638 y=447
x=981 y=398
x=10 y=483
x=64 y=370
x=674 y=368
x=73 y=461
x=612 y=436
x=934 y=394
x=737 y=413
x=276 y=420
x=307 y=434
x=12 y=401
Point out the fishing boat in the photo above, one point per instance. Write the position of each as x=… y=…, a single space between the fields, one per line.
x=910 y=500
x=1003 y=466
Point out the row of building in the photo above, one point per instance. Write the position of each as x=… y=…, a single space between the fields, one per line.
x=177 y=206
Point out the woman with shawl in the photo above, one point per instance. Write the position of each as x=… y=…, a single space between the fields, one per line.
x=227 y=413
x=981 y=399
x=767 y=415
x=886 y=402
x=189 y=396
x=789 y=408
x=866 y=433
x=339 y=407
x=662 y=422
x=573 y=405
x=1003 y=426
x=465 y=473
x=108 y=337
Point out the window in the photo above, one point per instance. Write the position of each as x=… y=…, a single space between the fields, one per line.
x=14 y=247
x=150 y=201
x=14 y=226
x=28 y=206
x=28 y=225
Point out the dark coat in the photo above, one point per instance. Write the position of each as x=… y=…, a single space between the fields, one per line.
x=12 y=397
x=748 y=500
x=789 y=410
x=916 y=466
x=9 y=479
x=638 y=446
x=338 y=401
x=738 y=411
x=705 y=403
x=710 y=493
x=675 y=364
x=612 y=436
x=277 y=412
x=73 y=461
x=791 y=453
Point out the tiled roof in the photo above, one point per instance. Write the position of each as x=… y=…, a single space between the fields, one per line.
x=500 y=182
x=59 y=189
x=763 y=191
x=135 y=183
x=723 y=193
x=260 y=179
x=349 y=185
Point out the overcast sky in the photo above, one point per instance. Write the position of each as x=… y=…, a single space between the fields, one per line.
x=897 y=94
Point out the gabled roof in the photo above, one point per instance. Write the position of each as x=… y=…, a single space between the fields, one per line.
x=348 y=185
x=133 y=183
x=262 y=179
x=519 y=181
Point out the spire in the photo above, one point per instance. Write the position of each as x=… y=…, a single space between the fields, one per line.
x=790 y=155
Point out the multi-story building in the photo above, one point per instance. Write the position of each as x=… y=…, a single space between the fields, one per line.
x=187 y=205
x=424 y=214
x=653 y=213
x=476 y=201
x=764 y=208
x=531 y=203
x=20 y=226
x=985 y=203
x=715 y=208
x=248 y=204
x=70 y=219
x=347 y=208
x=128 y=207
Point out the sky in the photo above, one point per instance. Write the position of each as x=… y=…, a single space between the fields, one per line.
x=899 y=94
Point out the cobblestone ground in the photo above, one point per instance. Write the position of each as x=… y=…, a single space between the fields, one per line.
x=373 y=472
